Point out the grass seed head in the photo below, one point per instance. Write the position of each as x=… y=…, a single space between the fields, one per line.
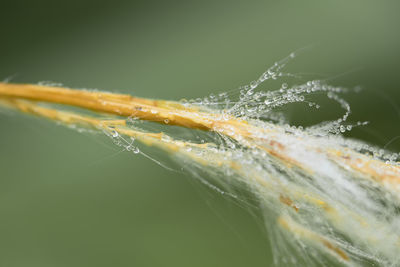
x=324 y=198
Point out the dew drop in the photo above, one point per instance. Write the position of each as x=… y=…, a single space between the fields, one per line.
x=250 y=92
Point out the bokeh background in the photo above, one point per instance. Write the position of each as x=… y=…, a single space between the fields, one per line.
x=71 y=199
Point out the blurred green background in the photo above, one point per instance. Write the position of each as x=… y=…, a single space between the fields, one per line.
x=71 y=199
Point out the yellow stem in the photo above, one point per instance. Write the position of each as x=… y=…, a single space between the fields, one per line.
x=173 y=113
